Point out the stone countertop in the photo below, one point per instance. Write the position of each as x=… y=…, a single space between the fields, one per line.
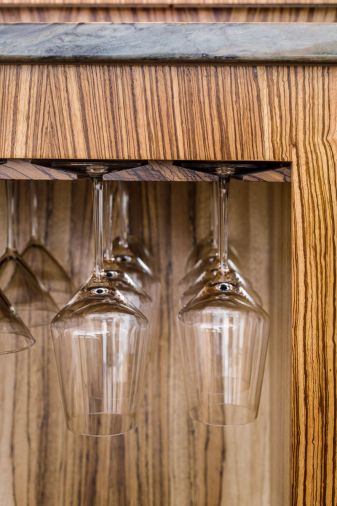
x=173 y=42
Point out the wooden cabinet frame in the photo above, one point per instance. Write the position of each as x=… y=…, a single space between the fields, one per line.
x=282 y=112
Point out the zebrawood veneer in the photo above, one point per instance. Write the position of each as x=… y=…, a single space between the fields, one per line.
x=168 y=14
x=201 y=112
x=213 y=112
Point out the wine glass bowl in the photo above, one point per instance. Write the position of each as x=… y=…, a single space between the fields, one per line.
x=49 y=271
x=42 y=262
x=136 y=246
x=24 y=290
x=100 y=347
x=31 y=300
x=224 y=343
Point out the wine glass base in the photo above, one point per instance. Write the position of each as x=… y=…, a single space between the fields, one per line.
x=82 y=167
x=237 y=169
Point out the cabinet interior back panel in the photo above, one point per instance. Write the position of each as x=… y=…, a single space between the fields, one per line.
x=169 y=461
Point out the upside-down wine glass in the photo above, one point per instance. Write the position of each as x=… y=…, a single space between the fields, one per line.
x=203 y=259
x=14 y=335
x=123 y=254
x=33 y=303
x=42 y=262
x=128 y=258
x=124 y=242
x=127 y=252
x=224 y=340
x=207 y=265
x=100 y=344
x=204 y=253
x=114 y=269
x=128 y=278
x=207 y=245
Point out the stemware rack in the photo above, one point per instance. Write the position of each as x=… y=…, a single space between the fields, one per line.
x=143 y=170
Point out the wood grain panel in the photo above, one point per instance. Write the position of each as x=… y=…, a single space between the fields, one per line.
x=169 y=461
x=167 y=14
x=215 y=112
x=314 y=288
x=146 y=112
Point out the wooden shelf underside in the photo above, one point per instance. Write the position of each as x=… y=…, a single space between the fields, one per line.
x=153 y=171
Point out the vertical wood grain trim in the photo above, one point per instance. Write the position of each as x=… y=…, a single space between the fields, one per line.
x=314 y=288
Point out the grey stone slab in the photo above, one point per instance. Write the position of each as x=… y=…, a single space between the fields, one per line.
x=173 y=42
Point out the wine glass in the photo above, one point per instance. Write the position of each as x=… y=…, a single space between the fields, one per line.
x=206 y=266
x=100 y=344
x=130 y=284
x=207 y=246
x=127 y=284
x=124 y=240
x=125 y=251
x=14 y=335
x=205 y=252
x=29 y=297
x=224 y=340
x=43 y=263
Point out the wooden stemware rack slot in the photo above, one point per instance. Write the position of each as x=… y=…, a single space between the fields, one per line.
x=151 y=171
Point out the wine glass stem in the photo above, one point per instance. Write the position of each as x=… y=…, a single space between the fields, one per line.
x=215 y=239
x=108 y=200
x=33 y=203
x=124 y=210
x=98 y=225
x=223 y=221
x=11 y=239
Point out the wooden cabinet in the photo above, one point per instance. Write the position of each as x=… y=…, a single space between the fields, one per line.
x=274 y=101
